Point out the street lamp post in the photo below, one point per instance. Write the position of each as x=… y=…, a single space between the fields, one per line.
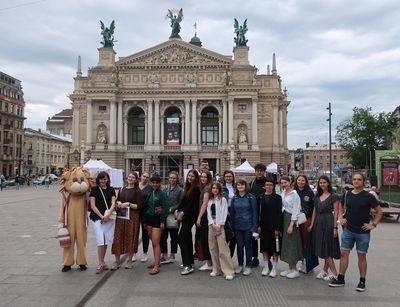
x=329 y=108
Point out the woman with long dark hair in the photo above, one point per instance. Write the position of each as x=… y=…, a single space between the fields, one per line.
x=325 y=241
x=187 y=213
x=126 y=235
x=202 y=222
x=270 y=226
x=228 y=189
x=292 y=251
x=102 y=203
x=302 y=187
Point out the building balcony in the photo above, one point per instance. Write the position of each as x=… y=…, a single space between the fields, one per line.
x=172 y=147
x=7 y=127
x=135 y=148
x=208 y=148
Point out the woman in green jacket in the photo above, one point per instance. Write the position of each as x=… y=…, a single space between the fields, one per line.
x=154 y=219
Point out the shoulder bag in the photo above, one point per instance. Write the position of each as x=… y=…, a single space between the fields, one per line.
x=113 y=215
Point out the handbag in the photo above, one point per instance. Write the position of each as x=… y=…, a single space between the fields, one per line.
x=113 y=214
x=64 y=237
x=301 y=219
x=228 y=229
x=172 y=223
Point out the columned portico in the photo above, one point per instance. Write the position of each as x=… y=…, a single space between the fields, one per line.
x=157 y=122
x=187 y=121
x=149 y=122
x=113 y=126
x=224 y=121
x=89 y=121
x=254 y=122
x=275 y=119
x=120 y=132
x=194 y=121
x=230 y=119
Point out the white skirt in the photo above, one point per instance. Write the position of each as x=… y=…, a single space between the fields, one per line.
x=104 y=232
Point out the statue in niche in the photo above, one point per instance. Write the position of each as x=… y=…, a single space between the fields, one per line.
x=175 y=18
x=242 y=135
x=108 y=35
x=240 y=32
x=101 y=135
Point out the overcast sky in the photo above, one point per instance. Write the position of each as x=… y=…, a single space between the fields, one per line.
x=338 y=51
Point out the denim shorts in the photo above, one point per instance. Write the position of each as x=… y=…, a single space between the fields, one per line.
x=361 y=240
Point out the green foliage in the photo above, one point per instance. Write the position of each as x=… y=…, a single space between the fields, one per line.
x=365 y=132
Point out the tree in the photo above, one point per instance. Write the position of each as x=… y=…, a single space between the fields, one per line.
x=364 y=133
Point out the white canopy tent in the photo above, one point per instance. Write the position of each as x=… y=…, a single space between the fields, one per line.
x=244 y=168
x=97 y=166
x=272 y=168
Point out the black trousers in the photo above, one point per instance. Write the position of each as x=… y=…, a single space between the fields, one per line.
x=186 y=242
x=232 y=246
x=145 y=236
x=255 y=248
x=204 y=238
x=173 y=233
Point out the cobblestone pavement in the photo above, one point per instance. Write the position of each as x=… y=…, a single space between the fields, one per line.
x=30 y=270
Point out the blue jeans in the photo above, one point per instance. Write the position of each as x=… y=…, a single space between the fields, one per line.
x=244 y=241
x=360 y=239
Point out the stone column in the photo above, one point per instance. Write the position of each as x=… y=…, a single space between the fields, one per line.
x=220 y=121
x=183 y=140
x=187 y=121
x=157 y=121
x=125 y=131
x=280 y=127
x=75 y=130
x=120 y=133
x=113 y=126
x=89 y=121
x=162 y=130
x=254 y=122
x=149 y=121
x=230 y=119
x=275 y=119
x=224 y=121
x=194 y=121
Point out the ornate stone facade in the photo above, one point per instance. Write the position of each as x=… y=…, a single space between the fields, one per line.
x=172 y=105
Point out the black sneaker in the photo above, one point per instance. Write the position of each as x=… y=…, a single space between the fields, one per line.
x=66 y=268
x=255 y=263
x=361 y=286
x=336 y=283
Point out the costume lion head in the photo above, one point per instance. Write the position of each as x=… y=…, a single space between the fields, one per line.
x=76 y=181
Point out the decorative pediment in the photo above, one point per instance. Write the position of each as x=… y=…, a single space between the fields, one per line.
x=174 y=52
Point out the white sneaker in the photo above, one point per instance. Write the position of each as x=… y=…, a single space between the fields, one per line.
x=330 y=277
x=247 y=271
x=172 y=260
x=293 y=274
x=302 y=268
x=134 y=258
x=285 y=273
x=229 y=277
x=265 y=271
x=205 y=267
x=215 y=274
x=322 y=275
x=239 y=269
x=144 y=258
x=273 y=273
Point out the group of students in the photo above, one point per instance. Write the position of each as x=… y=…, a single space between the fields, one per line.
x=234 y=215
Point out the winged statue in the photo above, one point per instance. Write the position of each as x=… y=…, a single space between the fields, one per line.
x=240 y=32
x=108 y=34
x=175 y=18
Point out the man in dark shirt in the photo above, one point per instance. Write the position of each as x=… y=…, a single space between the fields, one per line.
x=257 y=188
x=356 y=205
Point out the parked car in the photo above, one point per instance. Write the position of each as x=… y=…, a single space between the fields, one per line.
x=39 y=180
x=53 y=177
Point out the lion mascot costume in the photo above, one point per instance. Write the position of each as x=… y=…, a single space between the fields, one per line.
x=75 y=185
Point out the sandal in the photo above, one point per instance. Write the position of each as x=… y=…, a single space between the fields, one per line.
x=115 y=266
x=99 y=268
x=128 y=265
x=151 y=266
x=105 y=267
x=155 y=270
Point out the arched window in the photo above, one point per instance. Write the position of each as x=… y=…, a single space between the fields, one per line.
x=172 y=129
x=209 y=126
x=136 y=132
